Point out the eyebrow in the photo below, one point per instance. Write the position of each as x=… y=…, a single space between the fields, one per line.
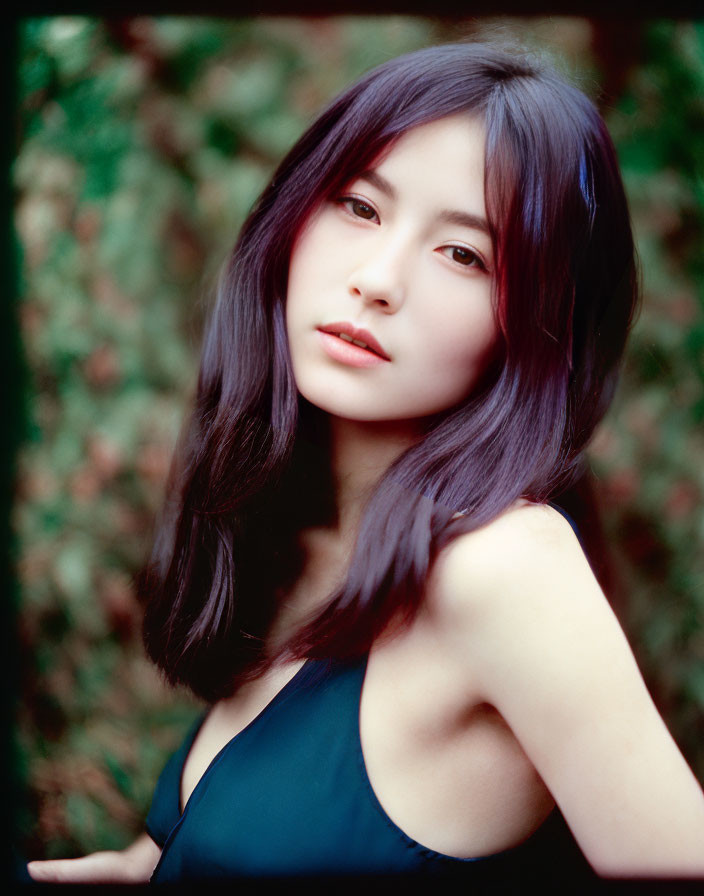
x=446 y=216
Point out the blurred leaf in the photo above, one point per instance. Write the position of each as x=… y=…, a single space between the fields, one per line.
x=145 y=142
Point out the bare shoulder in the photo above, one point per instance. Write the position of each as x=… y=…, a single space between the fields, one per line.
x=519 y=594
x=529 y=554
x=525 y=523
x=523 y=621
x=521 y=613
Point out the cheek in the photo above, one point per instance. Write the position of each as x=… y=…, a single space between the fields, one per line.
x=299 y=283
x=313 y=248
x=465 y=341
x=296 y=269
x=308 y=280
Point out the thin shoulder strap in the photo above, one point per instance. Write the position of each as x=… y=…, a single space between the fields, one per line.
x=569 y=519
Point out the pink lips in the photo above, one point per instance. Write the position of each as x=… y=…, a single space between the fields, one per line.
x=347 y=352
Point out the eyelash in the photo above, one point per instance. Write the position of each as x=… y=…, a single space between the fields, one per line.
x=478 y=260
x=349 y=202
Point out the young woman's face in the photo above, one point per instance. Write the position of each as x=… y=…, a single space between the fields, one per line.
x=402 y=261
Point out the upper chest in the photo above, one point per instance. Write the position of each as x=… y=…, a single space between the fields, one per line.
x=444 y=766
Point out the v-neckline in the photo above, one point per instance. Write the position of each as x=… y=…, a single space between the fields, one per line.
x=182 y=807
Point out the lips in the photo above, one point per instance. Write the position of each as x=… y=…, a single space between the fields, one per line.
x=362 y=338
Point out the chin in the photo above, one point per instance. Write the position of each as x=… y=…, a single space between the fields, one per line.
x=357 y=412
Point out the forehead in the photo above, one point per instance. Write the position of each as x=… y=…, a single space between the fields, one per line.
x=444 y=157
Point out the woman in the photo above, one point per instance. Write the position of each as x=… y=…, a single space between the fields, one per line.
x=410 y=662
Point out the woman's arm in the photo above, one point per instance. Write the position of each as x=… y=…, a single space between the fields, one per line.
x=528 y=621
x=133 y=865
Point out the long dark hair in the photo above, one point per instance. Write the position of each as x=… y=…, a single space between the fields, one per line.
x=252 y=469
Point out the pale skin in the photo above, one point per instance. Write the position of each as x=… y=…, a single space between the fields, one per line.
x=514 y=688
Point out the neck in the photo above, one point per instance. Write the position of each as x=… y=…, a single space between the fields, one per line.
x=360 y=454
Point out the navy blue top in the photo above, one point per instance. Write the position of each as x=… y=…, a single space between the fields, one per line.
x=289 y=795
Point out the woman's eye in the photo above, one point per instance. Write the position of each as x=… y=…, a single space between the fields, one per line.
x=463 y=256
x=358 y=208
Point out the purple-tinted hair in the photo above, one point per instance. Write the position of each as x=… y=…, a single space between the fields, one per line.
x=252 y=468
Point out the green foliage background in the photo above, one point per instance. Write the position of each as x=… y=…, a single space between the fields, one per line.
x=142 y=145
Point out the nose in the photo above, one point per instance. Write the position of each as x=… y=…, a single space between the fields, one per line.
x=380 y=278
